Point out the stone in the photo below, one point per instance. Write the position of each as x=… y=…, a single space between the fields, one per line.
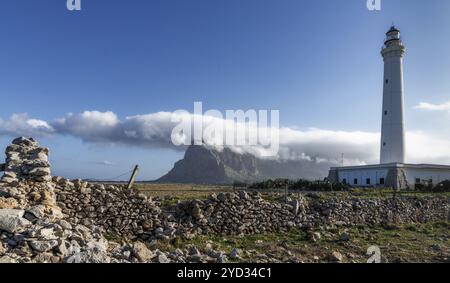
x=24 y=141
x=222 y=259
x=43 y=246
x=7 y=259
x=10 y=174
x=314 y=236
x=46 y=258
x=12 y=221
x=345 y=237
x=89 y=256
x=336 y=257
x=8 y=203
x=243 y=195
x=38 y=211
x=141 y=252
x=40 y=171
x=235 y=253
x=162 y=258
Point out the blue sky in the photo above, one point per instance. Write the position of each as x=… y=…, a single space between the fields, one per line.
x=318 y=62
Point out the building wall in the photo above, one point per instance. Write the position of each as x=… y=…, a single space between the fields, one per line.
x=436 y=175
x=375 y=174
x=361 y=175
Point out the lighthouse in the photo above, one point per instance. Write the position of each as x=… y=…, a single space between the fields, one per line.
x=392 y=171
x=392 y=125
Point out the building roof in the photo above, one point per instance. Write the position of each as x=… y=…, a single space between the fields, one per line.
x=394 y=165
x=393 y=29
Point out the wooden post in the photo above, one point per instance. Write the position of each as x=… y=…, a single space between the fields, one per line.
x=286 y=194
x=133 y=177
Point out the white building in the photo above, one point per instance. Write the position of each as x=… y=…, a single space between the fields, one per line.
x=392 y=170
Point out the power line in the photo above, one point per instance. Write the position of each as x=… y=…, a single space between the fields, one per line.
x=113 y=178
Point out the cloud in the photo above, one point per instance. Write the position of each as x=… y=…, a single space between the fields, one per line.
x=105 y=163
x=155 y=130
x=22 y=125
x=433 y=107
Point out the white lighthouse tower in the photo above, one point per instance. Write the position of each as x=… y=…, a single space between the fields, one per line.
x=392 y=126
x=392 y=171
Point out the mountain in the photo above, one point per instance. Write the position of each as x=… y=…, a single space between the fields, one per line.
x=202 y=165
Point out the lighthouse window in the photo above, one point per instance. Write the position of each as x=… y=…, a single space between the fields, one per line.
x=385 y=113
x=387 y=81
x=384 y=144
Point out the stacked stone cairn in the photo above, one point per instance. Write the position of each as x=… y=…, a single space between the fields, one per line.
x=26 y=160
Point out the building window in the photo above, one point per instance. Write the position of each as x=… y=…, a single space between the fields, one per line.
x=381 y=181
x=355 y=181
x=418 y=181
x=385 y=113
x=344 y=181
x=387 y=81
x=384 y=143
x=368 y=181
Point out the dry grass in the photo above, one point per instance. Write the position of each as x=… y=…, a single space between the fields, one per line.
x=416 y=243
x=174 y=192
x=407 y=243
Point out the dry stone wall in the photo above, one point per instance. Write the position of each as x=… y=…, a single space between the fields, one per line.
x=118 y=211
x=230 y=213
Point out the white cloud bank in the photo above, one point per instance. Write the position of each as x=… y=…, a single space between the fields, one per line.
x=22 y=125
x=433 y=107
x=154 y=130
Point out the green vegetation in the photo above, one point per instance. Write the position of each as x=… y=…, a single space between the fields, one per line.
x=428 y=242
x=299 y=185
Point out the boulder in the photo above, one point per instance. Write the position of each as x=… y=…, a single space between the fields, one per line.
x=12 y=221
x=141 y=252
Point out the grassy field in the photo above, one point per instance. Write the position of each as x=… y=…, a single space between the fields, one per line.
x=428 y=242
x=174 y=192
x=171 y=193
x=408 y=243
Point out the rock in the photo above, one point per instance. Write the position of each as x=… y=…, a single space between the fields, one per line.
x=235 y=253
x=345 y=237
x=12 y=221
x=295 y=206
x=89 y=256
x=141 y=252
x=314 y=236
x=10 y=174
x=243 y=195
x=46 y=258
x=24 y=141
x=336 y=257
x=40 y=171
x=7 y=259
x=38 y=211
x=8 y=203
x=162 y=258
x=43 y=246
x=222 y=259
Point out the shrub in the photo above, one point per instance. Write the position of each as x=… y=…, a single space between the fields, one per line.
x=299 y=185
